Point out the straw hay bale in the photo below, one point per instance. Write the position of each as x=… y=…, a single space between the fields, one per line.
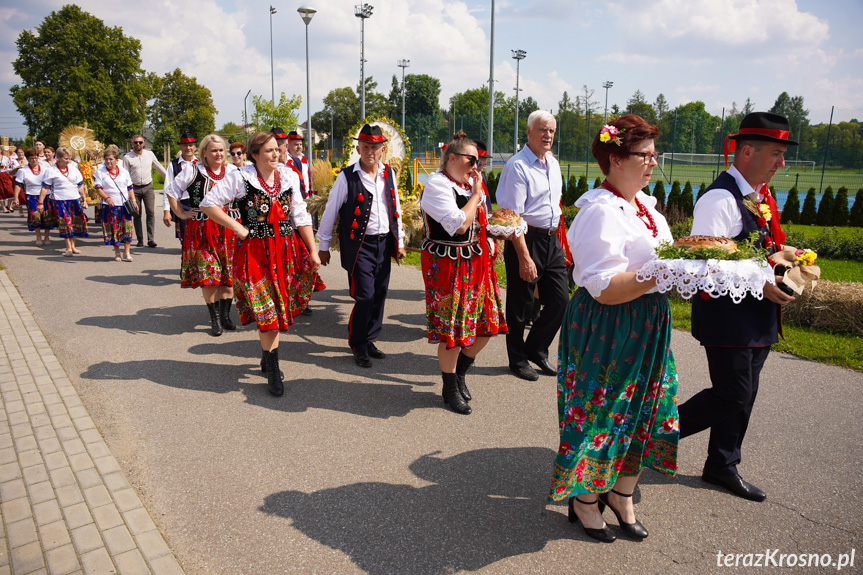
x=836 y=306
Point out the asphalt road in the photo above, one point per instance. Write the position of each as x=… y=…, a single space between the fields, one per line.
x=364 y=470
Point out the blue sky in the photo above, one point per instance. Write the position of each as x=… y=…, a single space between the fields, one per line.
x=718 y=51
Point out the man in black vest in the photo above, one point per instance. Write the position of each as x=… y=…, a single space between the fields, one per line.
x=296 y=161
x=737 y=337
x=188 y=147
x=365 y=198
x=282 y=142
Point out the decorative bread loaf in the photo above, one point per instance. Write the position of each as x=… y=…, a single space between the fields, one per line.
x=695 y=242
x=504 y=223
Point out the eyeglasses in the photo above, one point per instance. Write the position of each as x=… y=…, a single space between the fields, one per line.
x=470 y=158
x=237 y=153
x=646 y=156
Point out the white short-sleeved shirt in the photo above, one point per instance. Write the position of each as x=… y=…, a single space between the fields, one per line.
x=607 y=238
x=111 y=185
x=439 y=202
x=717 y=214
x=32 y=183
x=233 y=187
x=176 y=188
x=64 y=187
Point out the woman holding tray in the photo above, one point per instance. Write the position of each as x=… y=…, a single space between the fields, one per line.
x=464 y=307
x=617 y=383
x=276 y=258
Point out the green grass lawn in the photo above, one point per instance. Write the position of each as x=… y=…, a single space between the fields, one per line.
x=840 y=270
x=814 y=231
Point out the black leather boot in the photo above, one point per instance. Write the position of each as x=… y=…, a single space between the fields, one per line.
x=452 y=396
x=264 y=354
x=274 y=374
x=461 y=367
x=225 y=313
x=215 y=319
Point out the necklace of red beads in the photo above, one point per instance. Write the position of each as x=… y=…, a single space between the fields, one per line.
x=273 y=190
x=459 y=184
x=115 y=173
x=214 y=176
x=64 y=172
x=37 y=170
x=641 y=211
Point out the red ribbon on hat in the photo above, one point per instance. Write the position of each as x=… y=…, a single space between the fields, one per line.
x=368 y=138
x=187 y=140
x=730 y=147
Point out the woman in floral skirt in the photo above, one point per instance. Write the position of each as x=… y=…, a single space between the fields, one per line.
x=274 y=269
x=65 y=184
x=463 y=301
x=208 y=251
x=114 y=185
x=28 y=183
x=616 y=383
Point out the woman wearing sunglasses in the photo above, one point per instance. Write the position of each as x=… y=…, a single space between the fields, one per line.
x=616 y=383
x=464 y=307
x=238 y=155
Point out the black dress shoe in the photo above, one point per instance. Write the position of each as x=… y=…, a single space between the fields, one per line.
x=140 y=243
x=598 y=534
x=524 y=372
x=544 y=366
x=151 y=244
x=361 y=357
x=735 y=484
x=307 y=311
x=374 y=352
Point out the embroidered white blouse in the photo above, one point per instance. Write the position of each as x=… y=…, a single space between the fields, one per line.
x=607 y=238
x=63 y=187
x=439 y=203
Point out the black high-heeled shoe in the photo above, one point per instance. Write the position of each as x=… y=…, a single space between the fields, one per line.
x=598 y=534
x=636 y=529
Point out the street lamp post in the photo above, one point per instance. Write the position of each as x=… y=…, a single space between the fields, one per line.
x=272 y=74
x=606 y=85
x=306 y=14
x=518 y=56
x=246 y=115
x=363 y=11
x=403 y=64
x=491 y=94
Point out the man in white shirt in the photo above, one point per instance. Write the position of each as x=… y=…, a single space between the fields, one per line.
x=188 y=146
x=140 y=163
x=530 y=185
x=737 y=337
x=366 y=199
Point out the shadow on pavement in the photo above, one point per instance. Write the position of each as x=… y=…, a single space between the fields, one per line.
x=483 y=507
x=174 y=320
x=155 y=278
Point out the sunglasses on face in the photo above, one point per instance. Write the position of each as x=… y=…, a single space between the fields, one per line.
x=238 y=153
x=138 y=143
x=472 y=159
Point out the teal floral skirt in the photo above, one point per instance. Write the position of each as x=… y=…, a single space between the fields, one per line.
x=616 y=394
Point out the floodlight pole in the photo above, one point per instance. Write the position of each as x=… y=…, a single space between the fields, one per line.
x=490 y=164
x=272 y=74
x=246 y=115
x=306 y=14
x=363 y=11
x=518 y=56
x=606 y=85
x=403 y=64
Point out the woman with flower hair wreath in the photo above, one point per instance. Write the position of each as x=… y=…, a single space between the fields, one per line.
x=616 y=383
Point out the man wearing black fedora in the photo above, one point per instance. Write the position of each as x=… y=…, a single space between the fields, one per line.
x=282 y=142
x=188 y=146
x=737 y=337
x=366 y=201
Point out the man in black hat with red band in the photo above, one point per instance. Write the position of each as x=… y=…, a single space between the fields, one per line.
x=282 y=142
x=188 y=146
x=298 y=163
x=366 y=200
x=737 y=337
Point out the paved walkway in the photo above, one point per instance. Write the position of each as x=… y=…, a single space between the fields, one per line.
x=66 y=505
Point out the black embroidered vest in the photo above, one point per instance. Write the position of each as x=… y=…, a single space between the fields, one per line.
x=721 y=322
x=255 y=208
x=354 y=216
x=440 y=243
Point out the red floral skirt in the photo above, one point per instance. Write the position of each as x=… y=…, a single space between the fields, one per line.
x=463 y=299
x=207 y=255
x=6 y=189
x=272 y=281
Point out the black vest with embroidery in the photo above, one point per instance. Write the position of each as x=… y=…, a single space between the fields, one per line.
x=440 y=243
x=354 y=215
x=721 y=322
x=178 y=167
x=255 y=206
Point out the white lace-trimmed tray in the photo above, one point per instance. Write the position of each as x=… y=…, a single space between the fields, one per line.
x=716 y=277
x=506 y=232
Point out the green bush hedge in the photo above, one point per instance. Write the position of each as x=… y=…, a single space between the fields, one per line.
x=830 y=244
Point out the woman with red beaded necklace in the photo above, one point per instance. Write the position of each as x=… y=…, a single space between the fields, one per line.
x=274 y=270
x=66 y=185
x=464 y=307
x=28 y=183
x=617 y=383
x=208 y=252
x=114 y=184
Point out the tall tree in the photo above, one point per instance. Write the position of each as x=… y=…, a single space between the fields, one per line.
x=341 y=111
x=661 y=106
x=75 y=69
x=180 y=104
x=422 y=94
x=376 y=103
x=792 y=108
x=265 y=114
x=394 y=99
x=639 y=105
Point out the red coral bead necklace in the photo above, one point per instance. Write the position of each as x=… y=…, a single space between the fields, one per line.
x=641 y=212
